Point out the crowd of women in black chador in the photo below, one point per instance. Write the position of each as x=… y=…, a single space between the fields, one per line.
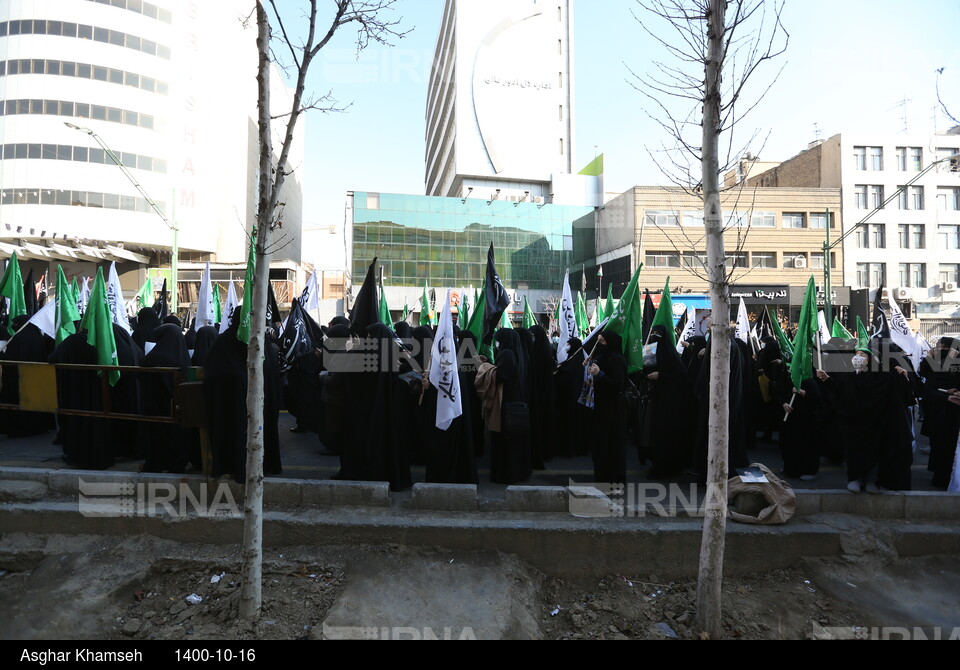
x=380 y=419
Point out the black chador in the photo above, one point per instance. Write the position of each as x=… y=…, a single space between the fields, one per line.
x=165 y=445
x=665 y=391
x=86 y=440
x=225 y=394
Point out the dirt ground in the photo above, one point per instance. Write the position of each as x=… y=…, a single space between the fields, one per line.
x=141 y=588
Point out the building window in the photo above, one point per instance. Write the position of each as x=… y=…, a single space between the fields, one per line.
x=763 y=220
x=818 y=220
x=764 y=259
x=913 y=275
x=916 y=197
x=952 y=165
x=871 y=275
x=916 y=159
x=663 y=219
x=794 y=220
x=561 y=146
x=795 y=260
x=860 y=158
x=875 y=155
x=912 y=236
x=949 y=237
x=948 y=198
x=950 y=273
x=83 y=70
x=63 y=108
x=878 y=236
x=816 y=260
x=662 y=259
x=902 y=159
x=876 y=196
x=736 y=261
x=97 y=33
x=694 y=260
x=561 y=112
x=860 y=196
x=693 y=219
x=36 y=196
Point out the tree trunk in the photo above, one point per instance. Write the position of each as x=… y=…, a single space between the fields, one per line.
x=251 y=572
x=710 y=577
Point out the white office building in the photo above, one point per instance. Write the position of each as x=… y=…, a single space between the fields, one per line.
x=909 y=238
x=170 y=87
x=500 y=104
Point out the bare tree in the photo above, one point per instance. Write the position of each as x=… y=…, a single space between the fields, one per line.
x=698 y=98
x=943 y=105
x=367 y=17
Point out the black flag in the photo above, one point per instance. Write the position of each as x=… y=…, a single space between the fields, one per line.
x=273 y=311
x=366 y=308
x=881 y=329
x=649 y=312
x=297 y=339
x=682 y=325
x=496 y=299
x=765 y=325
x=160 y=306
x=30 y=294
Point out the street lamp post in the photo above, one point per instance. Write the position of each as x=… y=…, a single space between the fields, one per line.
x=175 y=251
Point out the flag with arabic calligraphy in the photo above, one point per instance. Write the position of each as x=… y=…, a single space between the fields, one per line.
x=445 y=371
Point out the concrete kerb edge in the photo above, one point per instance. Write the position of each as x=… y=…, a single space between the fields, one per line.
x=917 y=505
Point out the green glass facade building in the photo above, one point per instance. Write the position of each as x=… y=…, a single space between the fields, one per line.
x=444 y=241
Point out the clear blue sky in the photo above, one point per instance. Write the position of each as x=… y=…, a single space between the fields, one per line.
x=849 y=64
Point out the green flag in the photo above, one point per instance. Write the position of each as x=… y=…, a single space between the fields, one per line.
x=839 y=332
x=786 y=348
x=406 y=311
x=801 y=367
x=243 y=333
x=217 y=308
x=610 y=306
x=426 y=314
x=863 y=337
x=384 y=309
x=67 y=312
x=98 y=322
x=11 y=287
x=627 y=322
x=664 y=315
x=75 y=289
x=476 y=327
x=580 y=312
x=145 y=294
x=505 y=321
x=529 y=319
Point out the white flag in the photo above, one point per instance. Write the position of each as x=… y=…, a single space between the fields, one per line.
x=84 y=294
x=900 y=332
x=445 y=370
x=310 y=298
x=568 y=320
x=46 y=319
x=229 y=308
x=205 y=315
x=743 y=323
x=115 y=300
x=825 y=334
x=690 y=330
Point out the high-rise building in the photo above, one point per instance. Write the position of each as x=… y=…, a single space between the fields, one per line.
x=500 y=104
x=170 y=87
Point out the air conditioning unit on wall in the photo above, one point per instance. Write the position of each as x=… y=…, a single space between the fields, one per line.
x=902 y=294
x=948 y=287
x=800 y=263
